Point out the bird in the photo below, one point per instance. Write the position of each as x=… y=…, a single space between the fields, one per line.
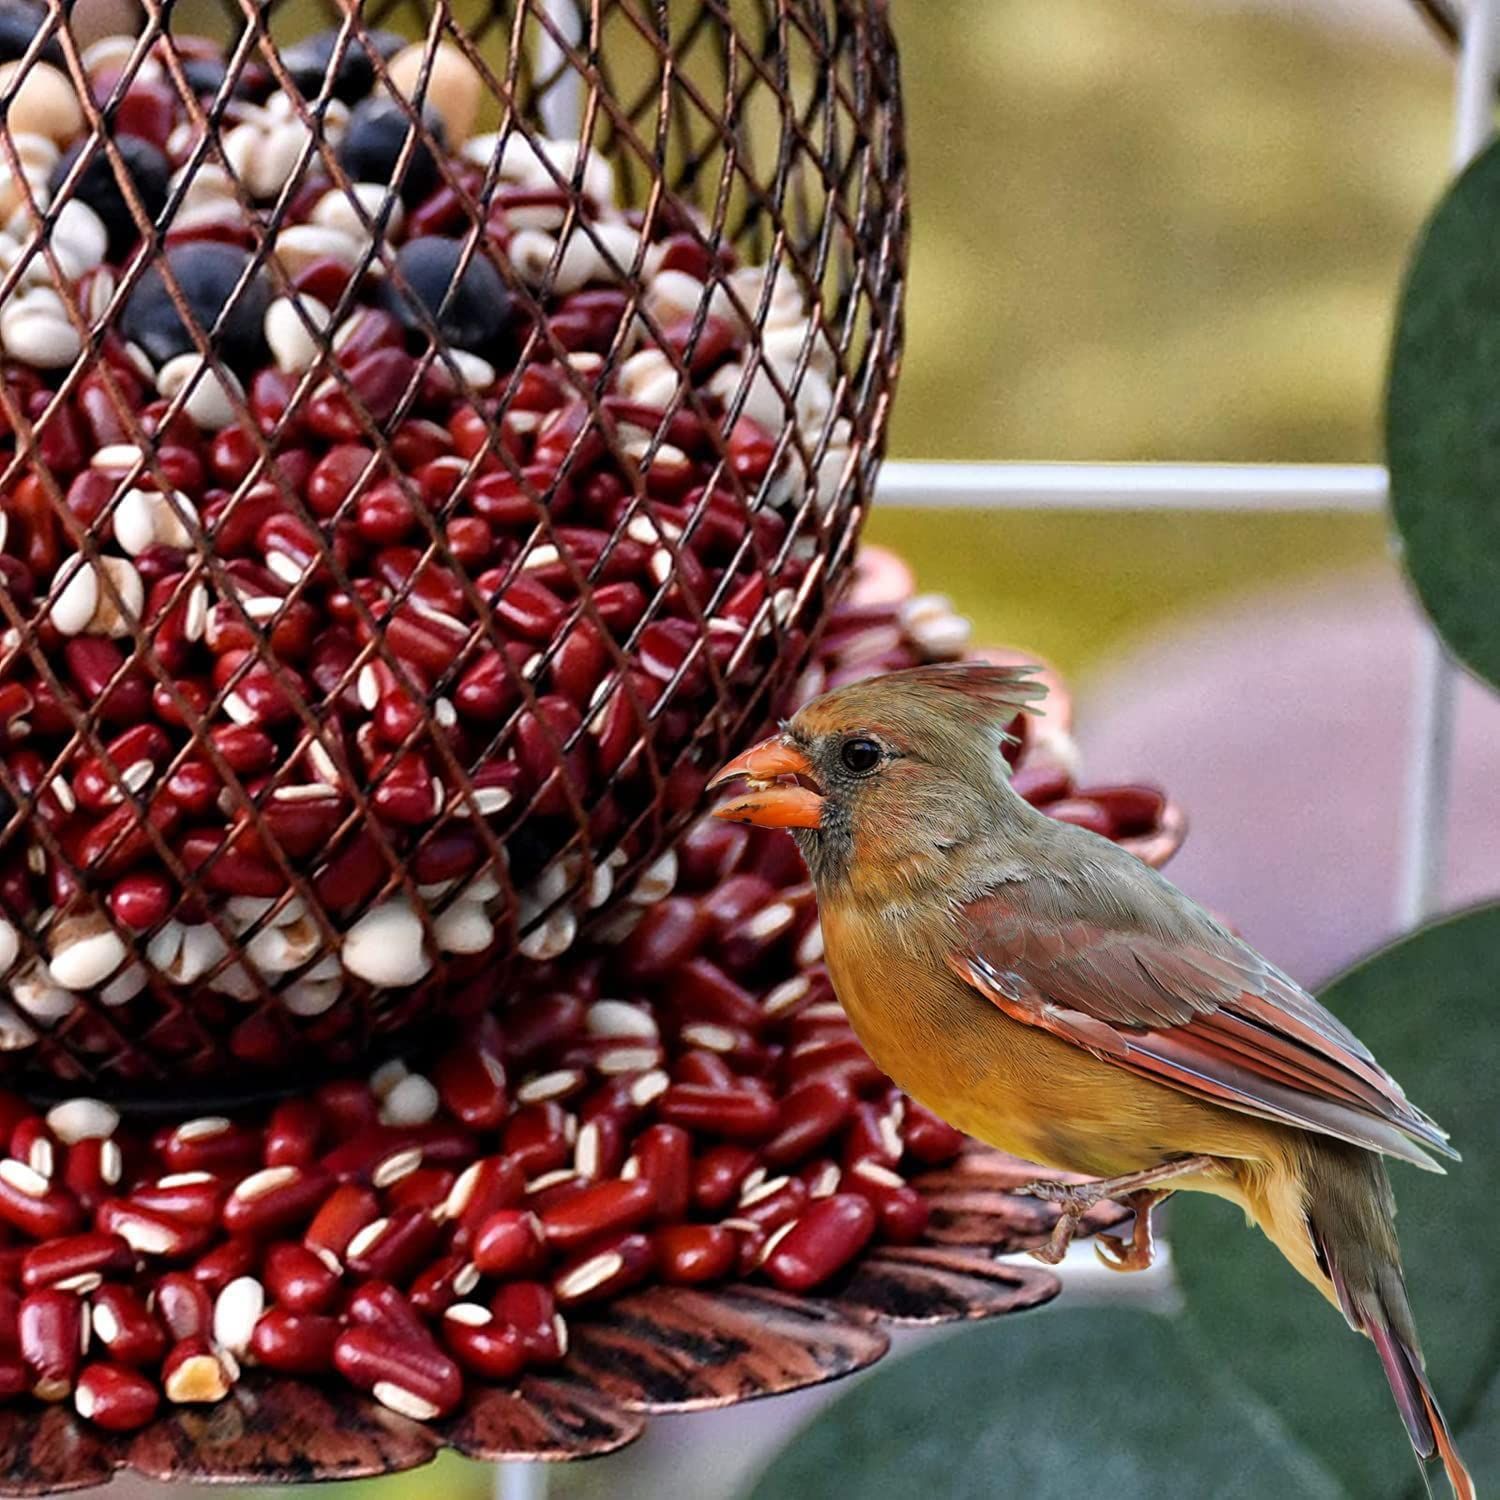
x=1046 y=992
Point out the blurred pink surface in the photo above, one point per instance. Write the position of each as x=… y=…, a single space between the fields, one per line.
x=1282 y=725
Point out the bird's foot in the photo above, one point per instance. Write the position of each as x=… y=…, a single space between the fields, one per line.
x=1135 y=1254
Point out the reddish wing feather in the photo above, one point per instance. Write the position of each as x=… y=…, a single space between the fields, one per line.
x=1168 y=993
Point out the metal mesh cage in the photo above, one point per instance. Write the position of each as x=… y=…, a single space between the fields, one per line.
x=429 y=444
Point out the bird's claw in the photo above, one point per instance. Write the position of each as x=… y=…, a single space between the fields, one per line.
x=1116 y=1254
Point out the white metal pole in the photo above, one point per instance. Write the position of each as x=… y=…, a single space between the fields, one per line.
x=521 y=1481
x=1430 y=762
x=561 y=107
x=1062 y=486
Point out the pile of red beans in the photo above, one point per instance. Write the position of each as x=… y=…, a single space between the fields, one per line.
x=681 y=1101
x=368 y=648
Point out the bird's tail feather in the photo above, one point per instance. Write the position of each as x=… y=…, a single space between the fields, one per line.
x=1351 y=1213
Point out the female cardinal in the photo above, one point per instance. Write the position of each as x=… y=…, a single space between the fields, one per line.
x=1045 y=991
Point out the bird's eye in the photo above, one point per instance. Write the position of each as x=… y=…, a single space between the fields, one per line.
x=860 y=756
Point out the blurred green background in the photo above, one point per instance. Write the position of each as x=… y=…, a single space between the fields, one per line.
x=1144 y=229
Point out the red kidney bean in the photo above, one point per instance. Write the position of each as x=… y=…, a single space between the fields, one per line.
x=50 y=1331
x=669 y=934
x=600 y=1208
x=195 y=1373
x=823 y=1241
x=741 y=1114
x=209 y=1143
x=347 y=1210
x=664 y=1155
x=298 y=1279
x=692 y=1254
x=902 y=1212
x=34 y=1204
x=393 y=1248
x=412 y=1377
x=275 y=1199
x=186 y=1197
x=75 y=1263
x=604 y=1269
x=426 y=1188
x=378 y=1304
x=292 y=1134
x=535 y=1137
x=295 y=1343
x=718 y=1175
x=126 y=1327
x=928 y=1139
x=482 y=1343
x=809 y=1116
x=184 y=1306
x=115 y=1397
x=443 y=1283
x=530 y=1308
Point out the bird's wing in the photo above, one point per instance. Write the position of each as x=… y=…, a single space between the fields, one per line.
x=1158 y=987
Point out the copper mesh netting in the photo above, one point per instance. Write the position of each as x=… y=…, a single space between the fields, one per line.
x=373 y=614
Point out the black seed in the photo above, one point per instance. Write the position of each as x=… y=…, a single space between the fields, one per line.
x=205 y=75
x=308 y=62
x=473 y=315
x=207 y=273
x=374 y=140
x=100 y=189
x=19 y=24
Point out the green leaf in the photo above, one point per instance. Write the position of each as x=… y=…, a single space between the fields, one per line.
x=1443 y=417
x=1427 y=1008
x=1065 y=1403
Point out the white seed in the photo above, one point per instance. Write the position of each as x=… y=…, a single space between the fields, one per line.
x=308 y=997
x=876 y=1172
x=293 y=344
x=203 y=1128
x=755 y=1192
x=111 y=1163
x=214 y=395
x=10 y=944
x=337 y=210
x=414 y=1101
x=531 y=252
x=81 y=959
x=15 y=1034
x=75 y=604
x=385 y=947
x=387 y=1076
x=463 y=927
x=275 y=158
x=649 y=378
x=165 y=945
x=82 y=1119
x=403 y=1401
x=656 y=881
x=43 y=1000
x=552 y=939
x=478 y=374
x=37 y=336
x=593 y=1273
x=237 y=1310
x=299 y=245
x=202 y=949
x=79 y=239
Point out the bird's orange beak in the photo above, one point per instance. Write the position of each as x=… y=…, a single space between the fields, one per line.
x=770 y=802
